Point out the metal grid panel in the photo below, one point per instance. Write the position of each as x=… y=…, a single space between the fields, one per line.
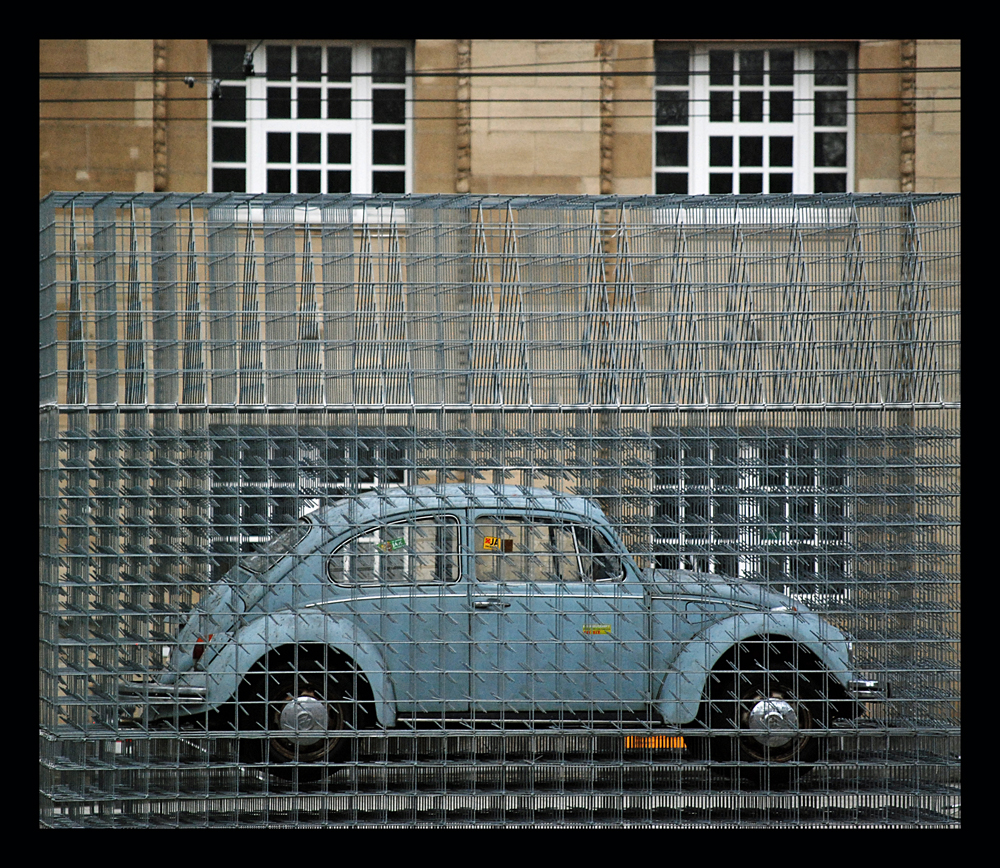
x=751 y=389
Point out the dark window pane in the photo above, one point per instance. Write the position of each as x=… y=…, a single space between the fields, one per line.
x=338 y=148
x=830 y=183
x=782 y=67
x=672 y=182
x=338 y=182
x=310 y=99
x=751 y=151
x=781 y=107
x=780 y=183
x=831 y=149
x=388 y=106
x=308 y=181
x=720 y=183
x=720 y=67
x=229 y=180
x=227 y=61
x=831 y=109
x=720 y=151
x=752 y=106
x=752 y=183
x=308 y=147
x=831 y=68
x=388 y=147
x=310 y=62
x=279 y=147
x=232 y=105
x=229 y=145
x=338 y=63
x=671 y=149
x=279 y=62
x=388 y=182
x=389 y=65
x=720 y=106
x=751 y=67
x=671 y=107
x=338 y=104
x=279 y=102
x=672 y=67
x=279 y=181
x=780 y=148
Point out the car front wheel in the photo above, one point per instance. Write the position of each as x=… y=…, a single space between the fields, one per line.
x=767 y=712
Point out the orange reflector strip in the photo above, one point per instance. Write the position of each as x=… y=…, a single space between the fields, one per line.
x=655 y=741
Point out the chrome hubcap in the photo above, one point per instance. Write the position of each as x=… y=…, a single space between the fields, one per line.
x=773 y=722
x=304 y=720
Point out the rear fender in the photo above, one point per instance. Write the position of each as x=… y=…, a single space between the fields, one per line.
x=238 y=656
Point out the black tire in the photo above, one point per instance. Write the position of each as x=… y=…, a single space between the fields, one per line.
x=297 y=690
x=769 y=704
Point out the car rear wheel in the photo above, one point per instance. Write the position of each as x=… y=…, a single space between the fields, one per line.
x=295 y=717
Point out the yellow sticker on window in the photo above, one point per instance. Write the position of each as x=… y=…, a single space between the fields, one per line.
x=497 y=544
x=596 y=629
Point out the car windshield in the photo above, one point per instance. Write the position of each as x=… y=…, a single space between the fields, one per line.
x=268 y=553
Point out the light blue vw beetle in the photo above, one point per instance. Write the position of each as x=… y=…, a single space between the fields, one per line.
x=474 y=605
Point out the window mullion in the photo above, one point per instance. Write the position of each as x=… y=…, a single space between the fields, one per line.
x=803 y=117
x=698 y=151
x=361 y=115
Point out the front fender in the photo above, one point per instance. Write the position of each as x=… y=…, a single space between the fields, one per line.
x=683 y=686
x=245 y=648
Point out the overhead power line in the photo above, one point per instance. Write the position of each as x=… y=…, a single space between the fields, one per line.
x=472 y=73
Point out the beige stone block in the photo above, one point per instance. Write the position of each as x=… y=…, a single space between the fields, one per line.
x=500 y=53
x=518 y=109
x=939 y=156
x=62 y=55
x=501 y=153
x=633 y=155
x=583 y=54
x=938 y=185
x=567 y=154
x=877 y=156
x=435 y=54
x=120 y=55
x=531 y=185
x=938 y=53
x=878 y=185
x=633 y=186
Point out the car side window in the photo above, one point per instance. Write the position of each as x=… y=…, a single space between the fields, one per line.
x=418 y=551
x=522 y=549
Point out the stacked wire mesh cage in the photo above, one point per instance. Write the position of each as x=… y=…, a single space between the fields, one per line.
x=759 y=389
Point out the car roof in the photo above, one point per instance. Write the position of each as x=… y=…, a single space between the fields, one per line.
x=389 y=502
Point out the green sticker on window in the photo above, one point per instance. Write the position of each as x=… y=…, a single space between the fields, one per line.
x=392 y=544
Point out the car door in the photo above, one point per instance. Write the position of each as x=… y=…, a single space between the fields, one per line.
x=558 y=623
x=406 y=591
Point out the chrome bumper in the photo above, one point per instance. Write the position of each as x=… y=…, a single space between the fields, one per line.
x=866 y=688
x=154 y=693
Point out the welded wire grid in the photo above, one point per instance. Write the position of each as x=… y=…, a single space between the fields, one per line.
x=762 y=388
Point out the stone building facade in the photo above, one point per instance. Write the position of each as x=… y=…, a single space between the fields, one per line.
x=499 y=116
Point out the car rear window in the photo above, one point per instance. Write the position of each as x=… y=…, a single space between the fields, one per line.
x=415 y=551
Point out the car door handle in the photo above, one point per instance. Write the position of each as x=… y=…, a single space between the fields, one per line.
x=491 y=603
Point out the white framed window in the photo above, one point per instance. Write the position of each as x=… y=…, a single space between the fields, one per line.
x=765 y=506
x=314 y=117
x=753 y=119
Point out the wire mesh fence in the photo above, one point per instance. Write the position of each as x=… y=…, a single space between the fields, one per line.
x=458 y=510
